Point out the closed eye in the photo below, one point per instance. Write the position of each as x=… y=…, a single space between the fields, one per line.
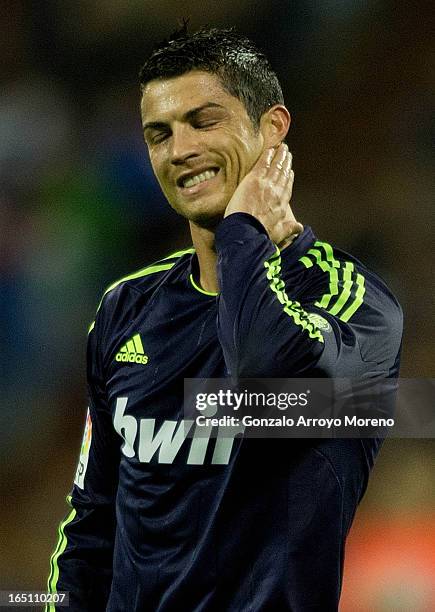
x=204 y=124
x=157 y=137
x=160 y=137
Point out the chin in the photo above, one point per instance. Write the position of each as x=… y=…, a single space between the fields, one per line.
x=204 y=214
x=206 y=220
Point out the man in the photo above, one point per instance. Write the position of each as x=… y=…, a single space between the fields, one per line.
x=158 y=521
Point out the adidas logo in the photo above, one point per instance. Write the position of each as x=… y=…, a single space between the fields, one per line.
x=132 y=351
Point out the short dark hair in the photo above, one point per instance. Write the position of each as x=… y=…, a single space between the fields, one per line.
x=243 y=70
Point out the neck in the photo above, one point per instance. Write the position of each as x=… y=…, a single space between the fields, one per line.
x=203 y=241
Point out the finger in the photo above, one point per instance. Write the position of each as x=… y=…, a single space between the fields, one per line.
x=287 y=194
x=288 y=187
x=264 y=161
x=285 y=175
x=278 y=162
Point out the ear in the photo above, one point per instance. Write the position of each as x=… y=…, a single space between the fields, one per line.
x=274 y=125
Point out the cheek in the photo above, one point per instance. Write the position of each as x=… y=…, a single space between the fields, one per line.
x=158 y=169
x=245 y=154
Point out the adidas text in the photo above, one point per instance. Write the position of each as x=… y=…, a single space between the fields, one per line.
x=132 y=351
x=132 y=358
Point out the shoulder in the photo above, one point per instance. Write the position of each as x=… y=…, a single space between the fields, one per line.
x=123 y=293
x=342 y=287
x=342 y=284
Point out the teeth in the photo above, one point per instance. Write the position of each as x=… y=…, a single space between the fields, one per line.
x=199 y=178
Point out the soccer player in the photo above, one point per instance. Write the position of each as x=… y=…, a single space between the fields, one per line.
x=161 y=522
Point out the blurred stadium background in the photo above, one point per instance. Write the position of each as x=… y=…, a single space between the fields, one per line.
x=79 y=208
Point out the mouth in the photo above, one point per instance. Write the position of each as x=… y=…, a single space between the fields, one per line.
x=192 y=182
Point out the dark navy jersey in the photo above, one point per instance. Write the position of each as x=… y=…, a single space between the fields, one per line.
x=162 y=522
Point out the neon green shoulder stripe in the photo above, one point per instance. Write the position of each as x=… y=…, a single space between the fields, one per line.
x=346 y=287
x=292 y=308
x=151 y=269
x=144 y=272
x=60 y=547
x=178 y=254
x=329 y=267
x=357 y=301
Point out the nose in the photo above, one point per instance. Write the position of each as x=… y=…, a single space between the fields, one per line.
x=186 y=144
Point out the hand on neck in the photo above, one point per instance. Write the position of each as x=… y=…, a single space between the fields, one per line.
x=204 y=242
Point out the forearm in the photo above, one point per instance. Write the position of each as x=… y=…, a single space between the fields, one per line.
x=82 y=560
x=263 y=331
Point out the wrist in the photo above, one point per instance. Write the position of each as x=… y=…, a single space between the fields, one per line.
x=288 y=241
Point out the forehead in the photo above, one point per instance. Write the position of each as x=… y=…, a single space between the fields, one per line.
x=164 y=99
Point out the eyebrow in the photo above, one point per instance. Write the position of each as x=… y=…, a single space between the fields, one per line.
x=157 y=125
